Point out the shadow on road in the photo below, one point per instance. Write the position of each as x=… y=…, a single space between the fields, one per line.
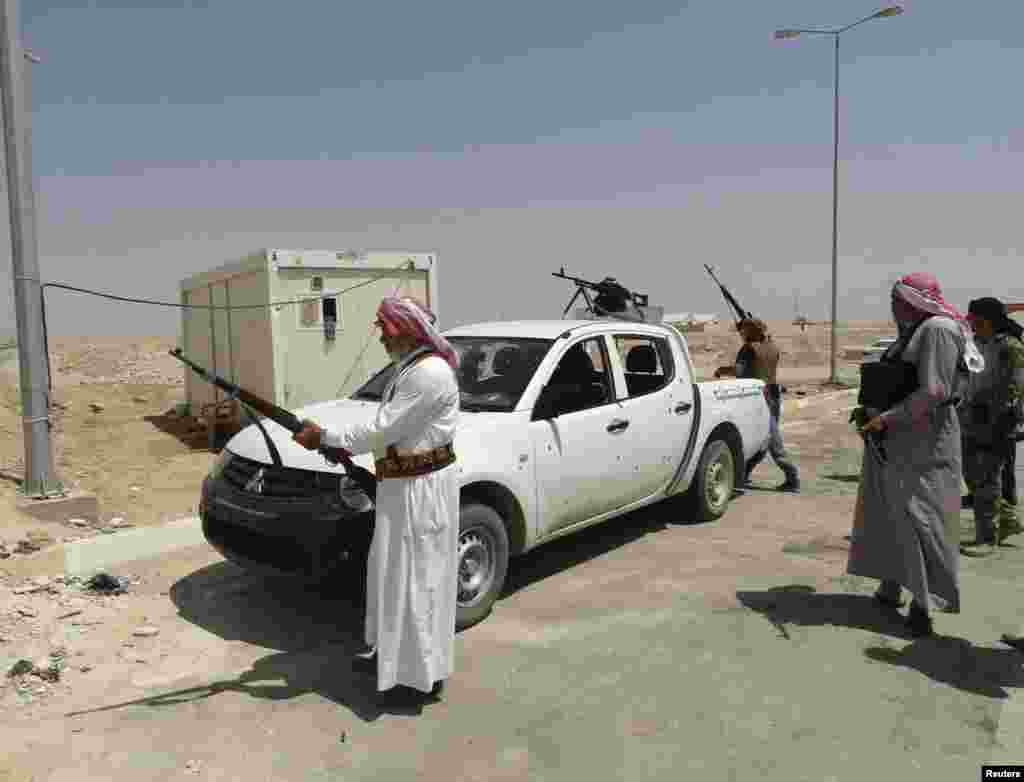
x=952 y=661
x=317 y=628
x=575 y=549
x=958 y=663
x=802 y=605
x=285 y=675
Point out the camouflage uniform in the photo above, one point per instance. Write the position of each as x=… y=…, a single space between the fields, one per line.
x=989 y=418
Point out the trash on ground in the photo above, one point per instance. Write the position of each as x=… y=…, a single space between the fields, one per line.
x=20 y=668
x=107 y=584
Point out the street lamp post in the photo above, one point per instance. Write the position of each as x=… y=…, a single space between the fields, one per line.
x=894 y=10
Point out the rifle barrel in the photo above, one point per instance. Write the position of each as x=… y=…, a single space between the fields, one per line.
x=276 y=414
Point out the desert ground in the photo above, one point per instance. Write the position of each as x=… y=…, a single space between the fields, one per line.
x=116 y=434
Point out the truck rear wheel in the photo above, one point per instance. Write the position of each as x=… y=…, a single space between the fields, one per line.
x=483 y=562
x=714 y=483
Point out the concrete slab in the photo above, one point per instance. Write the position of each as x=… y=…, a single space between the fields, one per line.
x=88 y=556
x=75 y=505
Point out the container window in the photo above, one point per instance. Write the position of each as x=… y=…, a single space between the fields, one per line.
x=309 y=314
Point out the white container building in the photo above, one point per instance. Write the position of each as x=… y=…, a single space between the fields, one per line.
x=311 y=336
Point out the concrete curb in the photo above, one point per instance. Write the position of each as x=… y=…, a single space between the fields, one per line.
x=86 y=557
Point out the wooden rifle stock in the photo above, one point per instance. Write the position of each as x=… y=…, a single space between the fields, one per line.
x=365 y=479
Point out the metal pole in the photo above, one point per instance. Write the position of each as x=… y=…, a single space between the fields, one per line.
x=833 y=375
x=40 y=476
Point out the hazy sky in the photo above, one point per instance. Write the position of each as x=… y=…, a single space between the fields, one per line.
x=637 y=140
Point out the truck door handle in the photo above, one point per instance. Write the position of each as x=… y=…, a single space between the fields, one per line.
x=683 y=407
x=618 y=425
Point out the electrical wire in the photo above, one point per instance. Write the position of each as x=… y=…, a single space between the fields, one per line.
x=409 y=265
x=132 y=300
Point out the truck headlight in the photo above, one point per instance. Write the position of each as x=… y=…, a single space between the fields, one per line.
x=222 y=461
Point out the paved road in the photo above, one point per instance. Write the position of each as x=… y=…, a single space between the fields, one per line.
x=649 y=648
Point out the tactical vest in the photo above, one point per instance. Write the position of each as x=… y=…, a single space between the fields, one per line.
x=1007 y=409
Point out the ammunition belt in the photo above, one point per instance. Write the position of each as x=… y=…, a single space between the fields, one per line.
x=414 y=464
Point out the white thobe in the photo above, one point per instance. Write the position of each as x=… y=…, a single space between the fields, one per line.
x=412 y=569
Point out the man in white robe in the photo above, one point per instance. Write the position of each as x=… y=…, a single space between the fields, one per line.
x=412 y=569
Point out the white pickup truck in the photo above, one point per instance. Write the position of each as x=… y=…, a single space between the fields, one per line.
x=564 y=424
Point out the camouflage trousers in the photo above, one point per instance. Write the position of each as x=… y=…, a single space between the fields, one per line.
x=994 y=518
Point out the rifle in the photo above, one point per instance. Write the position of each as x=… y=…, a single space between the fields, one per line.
x=741 y=314
x=612 y=297
x=365 y=479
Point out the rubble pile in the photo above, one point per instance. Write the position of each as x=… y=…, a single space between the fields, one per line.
x=40 y=621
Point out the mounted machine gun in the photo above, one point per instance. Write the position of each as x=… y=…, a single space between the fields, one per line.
x=612 y=299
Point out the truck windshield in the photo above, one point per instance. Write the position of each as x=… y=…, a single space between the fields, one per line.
x=493 y=372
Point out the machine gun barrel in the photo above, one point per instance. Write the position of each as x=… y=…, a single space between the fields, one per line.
x=576 y=280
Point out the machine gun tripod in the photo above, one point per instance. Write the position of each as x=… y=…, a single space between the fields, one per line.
x=612 y=300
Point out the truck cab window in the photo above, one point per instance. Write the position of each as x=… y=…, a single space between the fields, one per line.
x=648 y=363
x=577 y=383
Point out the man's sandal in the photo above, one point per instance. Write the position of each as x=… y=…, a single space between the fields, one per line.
x=892 y=603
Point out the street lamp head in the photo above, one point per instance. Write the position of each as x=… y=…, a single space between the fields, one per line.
x=893 y=10
x=783 y=34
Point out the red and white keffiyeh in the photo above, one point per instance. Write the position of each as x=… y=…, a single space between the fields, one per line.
x=406 y=317
x=919 y=294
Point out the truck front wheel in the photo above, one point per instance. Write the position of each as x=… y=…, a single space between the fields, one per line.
x=483 y=562
x=714 y=482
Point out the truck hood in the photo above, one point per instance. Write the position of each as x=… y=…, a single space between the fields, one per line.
x=474 y=429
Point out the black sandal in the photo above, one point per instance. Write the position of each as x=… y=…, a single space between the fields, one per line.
x=893 y=603
x=918 y=622
x=1014 y=641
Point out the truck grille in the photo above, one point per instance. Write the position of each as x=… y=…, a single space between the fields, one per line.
x=245 y=475
x=280 y=553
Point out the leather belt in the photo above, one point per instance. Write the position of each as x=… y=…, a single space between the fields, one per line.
x=412 y=465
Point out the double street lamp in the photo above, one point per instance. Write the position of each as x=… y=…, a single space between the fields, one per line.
x=894 y=10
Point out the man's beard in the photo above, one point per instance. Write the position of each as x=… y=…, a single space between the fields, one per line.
x=397 y=354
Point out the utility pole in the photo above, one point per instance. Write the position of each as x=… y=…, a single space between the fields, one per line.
x=41 y=480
